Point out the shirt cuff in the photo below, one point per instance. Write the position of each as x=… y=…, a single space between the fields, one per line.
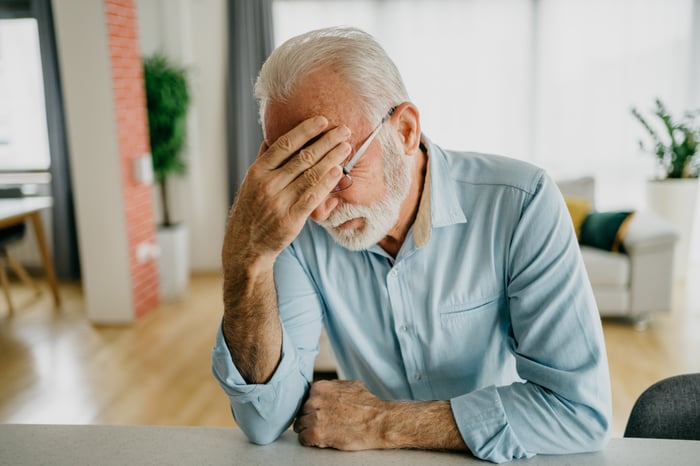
x=261 y=396
x=483 y=424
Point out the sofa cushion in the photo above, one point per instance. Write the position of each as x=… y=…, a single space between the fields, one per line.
x=605 y=230
x=611 y=301
x=578 y=210
x=606 y=268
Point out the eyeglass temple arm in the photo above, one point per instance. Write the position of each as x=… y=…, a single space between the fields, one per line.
x=365 y=145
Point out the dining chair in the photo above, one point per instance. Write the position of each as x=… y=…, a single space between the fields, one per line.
x=669 y=409
x=9 y=235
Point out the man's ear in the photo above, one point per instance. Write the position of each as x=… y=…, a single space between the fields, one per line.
x=406 y=120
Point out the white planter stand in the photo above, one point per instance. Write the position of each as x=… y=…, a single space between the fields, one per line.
x=675 y=200
x=173 y=262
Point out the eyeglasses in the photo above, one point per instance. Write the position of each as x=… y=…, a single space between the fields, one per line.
x=346 y=181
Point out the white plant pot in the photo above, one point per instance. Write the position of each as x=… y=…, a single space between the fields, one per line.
x=173 y=262
x=675 y=200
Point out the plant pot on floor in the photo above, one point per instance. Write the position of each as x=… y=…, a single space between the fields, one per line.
x=173 y=262
x=675 y=200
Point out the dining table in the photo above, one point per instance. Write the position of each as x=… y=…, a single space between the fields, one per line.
x=17 y=210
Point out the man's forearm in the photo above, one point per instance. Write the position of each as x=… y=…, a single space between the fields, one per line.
x=251 y=324
x=343 y=414
x=421 y=424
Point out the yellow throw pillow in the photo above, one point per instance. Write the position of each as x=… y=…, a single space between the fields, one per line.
x=578 y=209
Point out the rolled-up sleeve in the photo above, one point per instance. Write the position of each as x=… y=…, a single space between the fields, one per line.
x=563 y=404
x=265 y=411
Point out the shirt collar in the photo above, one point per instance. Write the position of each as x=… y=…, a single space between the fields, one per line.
x=439 y=205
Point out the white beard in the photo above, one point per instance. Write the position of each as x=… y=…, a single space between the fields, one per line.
x=380 y=217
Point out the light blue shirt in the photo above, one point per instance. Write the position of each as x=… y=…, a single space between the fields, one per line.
x=487 y=304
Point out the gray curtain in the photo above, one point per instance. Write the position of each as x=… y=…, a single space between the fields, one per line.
x=250 y=42
x=65 y=242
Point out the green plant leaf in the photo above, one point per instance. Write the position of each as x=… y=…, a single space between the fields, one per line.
x=168 y=99
x=677 y=152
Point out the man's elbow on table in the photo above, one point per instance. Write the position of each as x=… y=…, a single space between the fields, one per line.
x=262 y=437
x=592 y=432
x=260 y=431
x=600 y=435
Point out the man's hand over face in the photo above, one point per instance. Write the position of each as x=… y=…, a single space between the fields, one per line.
x=288 y=180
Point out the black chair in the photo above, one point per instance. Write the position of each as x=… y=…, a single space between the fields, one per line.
x=9 y=235
x=669 y=409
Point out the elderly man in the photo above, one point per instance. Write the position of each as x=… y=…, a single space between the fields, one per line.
x=450 y=284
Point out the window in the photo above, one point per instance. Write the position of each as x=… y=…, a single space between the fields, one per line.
x=548 y=81
x=24 y=144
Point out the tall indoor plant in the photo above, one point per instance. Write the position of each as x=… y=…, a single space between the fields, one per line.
x=673 y=194
x=168 y=99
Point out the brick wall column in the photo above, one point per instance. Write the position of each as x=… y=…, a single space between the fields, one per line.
x=132 y=135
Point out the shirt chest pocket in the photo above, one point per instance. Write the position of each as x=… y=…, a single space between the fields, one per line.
x=475 y=312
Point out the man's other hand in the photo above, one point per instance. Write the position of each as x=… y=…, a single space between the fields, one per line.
x=342 y=414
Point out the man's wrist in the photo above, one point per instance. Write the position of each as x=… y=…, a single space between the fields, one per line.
x=420 y=424
x=247 y=264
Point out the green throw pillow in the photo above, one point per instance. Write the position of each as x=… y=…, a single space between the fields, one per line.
x=605 y=230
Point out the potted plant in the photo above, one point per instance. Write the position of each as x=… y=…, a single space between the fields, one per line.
x=673 y=194
x=676 y=151
x=168 y=99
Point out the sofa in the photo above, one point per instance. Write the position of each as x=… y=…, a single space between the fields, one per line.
x=639 y=281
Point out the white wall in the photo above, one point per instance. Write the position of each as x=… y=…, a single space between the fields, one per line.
x=193 y=33
x=83 y=52
x=694 y=102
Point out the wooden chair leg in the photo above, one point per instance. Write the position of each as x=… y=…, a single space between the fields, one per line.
x=22 y=273
x=5 y=286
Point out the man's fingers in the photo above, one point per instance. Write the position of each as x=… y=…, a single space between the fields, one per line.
x=303 y=156
x=263 y=148
x=308 y=166
x=315 y=150
x=289 y=143
x=314 y=190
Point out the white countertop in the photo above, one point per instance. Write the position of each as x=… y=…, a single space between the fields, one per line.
x=151 y=445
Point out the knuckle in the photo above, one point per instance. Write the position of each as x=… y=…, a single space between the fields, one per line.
x=306 y=157
x=266 y=188
x=309 y=201
x=323 y=384
x=284 y=143
x=319 y=386
x=312 y=404
x=311 y=176
x=254 y=172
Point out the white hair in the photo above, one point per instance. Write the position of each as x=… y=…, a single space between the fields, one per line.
x=354 y=54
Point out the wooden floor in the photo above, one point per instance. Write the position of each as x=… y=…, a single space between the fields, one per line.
x=55 y=367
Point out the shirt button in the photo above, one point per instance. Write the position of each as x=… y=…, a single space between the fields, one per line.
x=418 y=376
x=394 y=272
x=403 y=328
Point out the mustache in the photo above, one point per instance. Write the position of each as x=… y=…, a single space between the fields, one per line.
x=342 y=213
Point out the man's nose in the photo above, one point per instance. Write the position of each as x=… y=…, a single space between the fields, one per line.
x=324 y=209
